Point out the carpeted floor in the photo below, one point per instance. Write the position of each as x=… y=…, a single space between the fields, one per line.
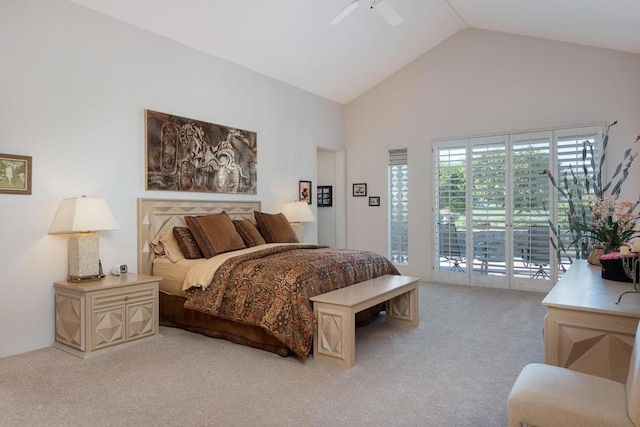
x=455 y=369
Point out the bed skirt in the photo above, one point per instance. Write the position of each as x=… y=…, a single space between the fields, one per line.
x=173 y=314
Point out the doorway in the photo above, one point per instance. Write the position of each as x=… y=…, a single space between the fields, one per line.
x=331 y=172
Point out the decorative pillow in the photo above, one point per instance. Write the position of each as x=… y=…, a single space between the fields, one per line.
x=171 y=247
x=156 y=246
x=275 y=228
x=248 y=232
x=187 y=243
x=215 y=234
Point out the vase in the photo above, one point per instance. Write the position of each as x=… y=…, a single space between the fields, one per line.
x=594 y=256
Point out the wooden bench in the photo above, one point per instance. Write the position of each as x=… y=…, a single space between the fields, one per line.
x=334 y=340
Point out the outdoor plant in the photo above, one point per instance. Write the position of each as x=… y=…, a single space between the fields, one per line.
x=595 y=216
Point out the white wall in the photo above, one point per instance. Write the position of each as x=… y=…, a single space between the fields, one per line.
x=73 y=89
x=476 y=83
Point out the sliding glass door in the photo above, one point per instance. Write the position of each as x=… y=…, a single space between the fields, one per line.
x=498 y=220
x=492 y=198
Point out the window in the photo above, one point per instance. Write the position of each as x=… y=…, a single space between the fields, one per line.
x=398 y=206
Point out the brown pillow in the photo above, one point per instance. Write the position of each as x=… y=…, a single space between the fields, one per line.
x=187 y=243
x=275 y=228
x=248 y=232
x=215 y=234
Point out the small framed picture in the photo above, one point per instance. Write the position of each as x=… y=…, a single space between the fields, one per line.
x=304 y=191
x=359 y=190
x=324 y=195
x=374 y=201
x=15 y=174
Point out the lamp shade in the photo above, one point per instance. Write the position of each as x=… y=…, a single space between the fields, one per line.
x=81 y=214
x=298 y=212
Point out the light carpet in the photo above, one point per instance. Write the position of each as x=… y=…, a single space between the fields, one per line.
x=455 y=369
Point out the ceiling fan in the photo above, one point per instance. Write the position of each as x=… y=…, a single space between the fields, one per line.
x=380 y=6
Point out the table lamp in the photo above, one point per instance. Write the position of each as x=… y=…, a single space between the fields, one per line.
x=81 y=216
x=297 y=213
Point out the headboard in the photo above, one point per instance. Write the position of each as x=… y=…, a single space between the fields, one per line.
x=158 y=215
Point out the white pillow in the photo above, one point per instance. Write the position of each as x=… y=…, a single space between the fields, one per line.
x=170 y=245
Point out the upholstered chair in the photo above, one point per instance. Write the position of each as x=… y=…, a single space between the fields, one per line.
x=550 y=396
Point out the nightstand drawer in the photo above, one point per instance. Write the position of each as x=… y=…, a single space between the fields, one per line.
x=126 y=296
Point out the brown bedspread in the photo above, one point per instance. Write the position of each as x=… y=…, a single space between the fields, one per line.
x=271 y=288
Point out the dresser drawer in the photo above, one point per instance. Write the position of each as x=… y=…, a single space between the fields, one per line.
x=121 y=297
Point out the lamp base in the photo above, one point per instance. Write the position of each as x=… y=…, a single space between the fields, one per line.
x=83 y=256
x=76 y=279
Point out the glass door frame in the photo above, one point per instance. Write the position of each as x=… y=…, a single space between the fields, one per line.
x=467 y=275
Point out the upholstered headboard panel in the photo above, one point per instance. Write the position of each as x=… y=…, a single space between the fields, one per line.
x=158 y=215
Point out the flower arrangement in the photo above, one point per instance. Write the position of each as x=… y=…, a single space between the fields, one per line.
x=613 y=223
x=595 y=216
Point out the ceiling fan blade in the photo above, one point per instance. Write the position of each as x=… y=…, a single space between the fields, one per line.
x=345 y=12
x=387 y=12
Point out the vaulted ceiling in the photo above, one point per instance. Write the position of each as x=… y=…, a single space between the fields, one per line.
x=291 y=41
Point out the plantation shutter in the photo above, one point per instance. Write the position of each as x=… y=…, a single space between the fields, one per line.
x=489 y=203
x=450 y=181
x=531 y=189
x=570 y=144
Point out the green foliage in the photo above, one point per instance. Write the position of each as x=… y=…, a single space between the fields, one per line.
x=452 y=192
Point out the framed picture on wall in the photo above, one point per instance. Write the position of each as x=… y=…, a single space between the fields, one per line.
x=374 y=201
x=359 y=190
x=184 y=154
x=15 y=174
x=324 y=195
x=304 y=191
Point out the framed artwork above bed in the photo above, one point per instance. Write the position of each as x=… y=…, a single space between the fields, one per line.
x=184 y=154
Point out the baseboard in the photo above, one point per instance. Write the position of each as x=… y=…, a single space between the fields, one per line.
x=27 y=349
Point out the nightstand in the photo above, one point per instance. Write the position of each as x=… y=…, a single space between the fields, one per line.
x=97 y=315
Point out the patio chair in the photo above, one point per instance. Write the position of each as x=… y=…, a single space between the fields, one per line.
x=450 y=248
x=488 y=247
x=537 y=252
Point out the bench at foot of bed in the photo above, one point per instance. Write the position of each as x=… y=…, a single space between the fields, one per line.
x=334 y=340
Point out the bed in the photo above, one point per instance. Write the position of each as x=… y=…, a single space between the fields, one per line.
x=256 y=296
